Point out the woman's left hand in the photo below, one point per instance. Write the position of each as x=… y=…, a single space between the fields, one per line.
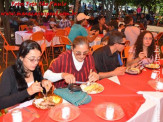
x=93 y=77
x=47 y=84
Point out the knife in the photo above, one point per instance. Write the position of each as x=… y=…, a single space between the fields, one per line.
x=32 y=112
x=80 y=82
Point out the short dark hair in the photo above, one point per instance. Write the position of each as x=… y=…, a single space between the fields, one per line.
x=128 y=19
x=100 y=17
x=24 y=49
x=113 y=23
x=115 y=37
x=80 y=40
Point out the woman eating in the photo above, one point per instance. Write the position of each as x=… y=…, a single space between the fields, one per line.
x=21 y=81
x=143 y=50
x=73 y=65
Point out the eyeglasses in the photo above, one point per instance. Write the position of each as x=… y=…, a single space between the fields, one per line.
x=32 y=60
x=79 y=53
x=147 y=38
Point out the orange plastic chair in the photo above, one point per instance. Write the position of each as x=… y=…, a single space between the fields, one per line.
x=63 y=42
x=22 y=27
x=95 y=47
x=158 y=37
x=44 y=57
x=124 y=54
x=6 y=48
x=44 y=27
x=61 y=32
x=68 y=30
x=37 y=36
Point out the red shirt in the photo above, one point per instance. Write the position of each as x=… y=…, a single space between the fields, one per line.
x=64 y=63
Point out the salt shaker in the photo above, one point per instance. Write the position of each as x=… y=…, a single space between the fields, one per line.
x=17 y=115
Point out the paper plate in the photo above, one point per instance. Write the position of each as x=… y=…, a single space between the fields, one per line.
x=64 y=112
x=53 y=99
x=152 y=66
x=133 y=71
x=93 y=88
x=109 y=111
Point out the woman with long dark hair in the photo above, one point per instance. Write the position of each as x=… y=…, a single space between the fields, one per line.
x=143 y=50
x=21 y=81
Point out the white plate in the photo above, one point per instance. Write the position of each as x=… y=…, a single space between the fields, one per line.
x=64 y=112
x=93 y=88
x=109 y=111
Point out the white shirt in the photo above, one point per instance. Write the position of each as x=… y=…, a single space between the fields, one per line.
x=132 y=34
x=30 y=83
x=54 y=77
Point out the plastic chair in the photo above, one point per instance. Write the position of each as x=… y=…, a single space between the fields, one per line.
x=124 y=54
x=44 y=57
x=6 y=48
x=63 y=42
x=37 y=36
x=61 y=32
x=22 y=27
x=68 y=30
x=158 y=37
x=95 y=47
x=44 y=27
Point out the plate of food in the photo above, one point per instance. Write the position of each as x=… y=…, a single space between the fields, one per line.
x=133 y=71
x=93 y=88
x=152 y=66
x=47 y=102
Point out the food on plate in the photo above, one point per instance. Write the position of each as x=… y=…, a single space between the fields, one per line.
x=133 y=70
x=47 y=102
x=92 y=88
x=153 y=66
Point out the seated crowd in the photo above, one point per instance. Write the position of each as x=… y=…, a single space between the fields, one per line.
x=21 y=81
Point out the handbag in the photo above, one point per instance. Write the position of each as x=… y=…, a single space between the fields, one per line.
x=76 y=98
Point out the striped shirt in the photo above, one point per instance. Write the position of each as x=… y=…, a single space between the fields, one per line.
x=64 y=23
x=64 y=63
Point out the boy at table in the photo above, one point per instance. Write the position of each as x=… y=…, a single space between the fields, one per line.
x=107 y=59
x=73 y=65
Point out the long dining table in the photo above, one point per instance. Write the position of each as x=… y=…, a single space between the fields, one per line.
x=49 y=35
x=139 y=101
x=129 y=100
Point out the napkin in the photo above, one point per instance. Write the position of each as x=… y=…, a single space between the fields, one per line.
x=76 y=98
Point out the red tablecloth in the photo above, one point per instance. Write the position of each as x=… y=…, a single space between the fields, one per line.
x=127 y=99
x=138 y=82
x=49 y=35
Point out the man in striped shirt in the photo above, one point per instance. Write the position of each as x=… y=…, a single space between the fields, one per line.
x=64 y=22
x=73 y=65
